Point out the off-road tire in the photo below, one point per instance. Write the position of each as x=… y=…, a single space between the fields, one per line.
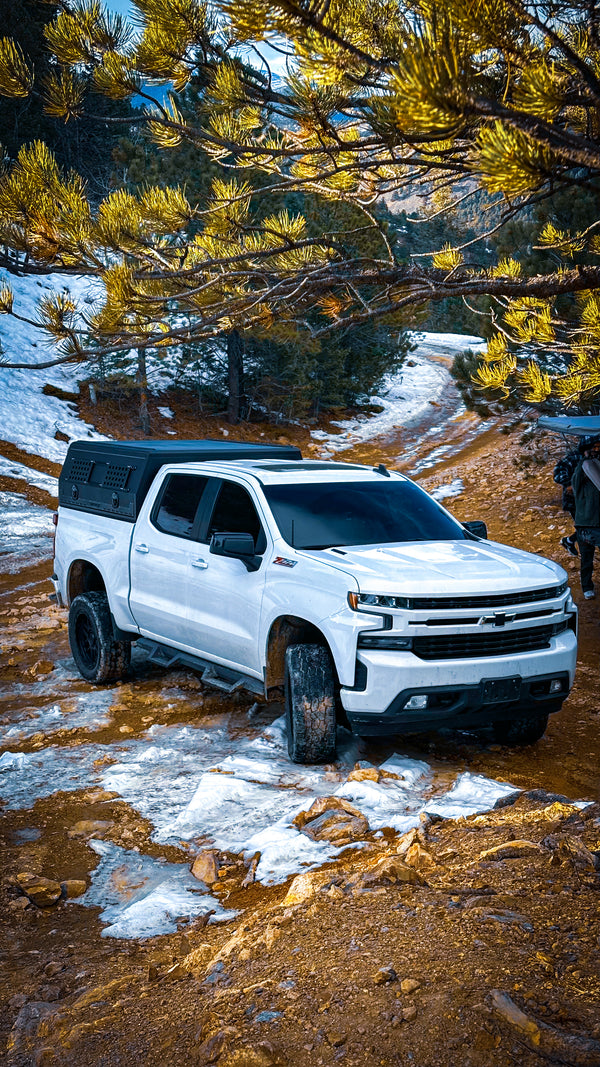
x=310 y=700
x=99 y=657
x=525 y=731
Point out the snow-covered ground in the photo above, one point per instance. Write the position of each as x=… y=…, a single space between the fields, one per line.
x=405 y=396
x=28 y=418
x=195 y=784
x=23 y=473
x=25 y=531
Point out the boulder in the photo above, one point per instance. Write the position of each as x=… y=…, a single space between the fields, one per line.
x=35 y=1021
x=339 y=827
x=305 y=887
x=41 y=891
x=391 y=869
x=567 y=848
x=206 y=867
x=322 y=805
x=418 y=857
x=364 y=772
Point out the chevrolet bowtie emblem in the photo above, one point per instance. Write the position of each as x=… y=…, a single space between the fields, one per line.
x=499 y=618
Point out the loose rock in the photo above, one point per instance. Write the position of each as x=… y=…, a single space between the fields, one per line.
x=385 y=975
x=73 y=887
x=305 y=887
x=364 y=772
x=41 y=891
x=90 y=828
x=510 y=850
x=389 y=870
x=339 y=827
x=206 y=867
x=410 y=985
x=419 y=858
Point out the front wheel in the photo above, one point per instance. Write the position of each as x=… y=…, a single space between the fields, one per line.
x=310 y=704
x=99 y=657
x=525 y=731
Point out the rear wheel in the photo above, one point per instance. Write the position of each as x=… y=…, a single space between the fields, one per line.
x=525 y=731
x=99 y=657
x=310 y=704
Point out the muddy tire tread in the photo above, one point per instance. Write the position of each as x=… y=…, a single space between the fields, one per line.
x=310 y=703
x=114 y=656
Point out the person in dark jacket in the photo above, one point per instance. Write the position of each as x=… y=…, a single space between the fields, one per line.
x=586 y=489
x=563 y=475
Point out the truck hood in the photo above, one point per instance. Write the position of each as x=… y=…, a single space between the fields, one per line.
x=420 y=568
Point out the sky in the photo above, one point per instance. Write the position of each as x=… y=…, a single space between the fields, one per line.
x=274 y=59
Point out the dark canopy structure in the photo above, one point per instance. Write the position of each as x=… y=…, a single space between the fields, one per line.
x=576 y=426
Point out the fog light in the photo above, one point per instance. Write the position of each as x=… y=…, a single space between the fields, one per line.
x=556 y=685
x=417 y=702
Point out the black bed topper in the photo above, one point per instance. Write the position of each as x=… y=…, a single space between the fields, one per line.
x=113 y=477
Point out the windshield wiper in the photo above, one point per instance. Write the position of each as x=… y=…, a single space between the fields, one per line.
x=315 y=548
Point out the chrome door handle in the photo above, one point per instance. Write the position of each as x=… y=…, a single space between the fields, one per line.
x=142 y=548
x=201 y=564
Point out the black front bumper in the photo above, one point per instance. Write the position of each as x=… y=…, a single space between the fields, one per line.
x=463 y=707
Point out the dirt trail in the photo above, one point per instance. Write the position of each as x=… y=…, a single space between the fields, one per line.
x=363 y=967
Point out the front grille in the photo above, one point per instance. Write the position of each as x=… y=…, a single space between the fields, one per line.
x=494 y=643
x=497 y=600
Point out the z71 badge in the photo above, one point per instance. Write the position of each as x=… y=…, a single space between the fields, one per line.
x=283 y=562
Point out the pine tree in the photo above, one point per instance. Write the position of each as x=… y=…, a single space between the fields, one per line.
x=491 y=97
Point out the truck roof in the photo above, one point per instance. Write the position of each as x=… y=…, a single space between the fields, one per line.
x=270 y=472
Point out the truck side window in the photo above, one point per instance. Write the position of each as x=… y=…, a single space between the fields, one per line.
x=178 y=504
x=234 y=512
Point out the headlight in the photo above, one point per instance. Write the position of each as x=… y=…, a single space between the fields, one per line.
x=376 y=600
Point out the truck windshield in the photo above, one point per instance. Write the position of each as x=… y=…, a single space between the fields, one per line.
x=328 y=515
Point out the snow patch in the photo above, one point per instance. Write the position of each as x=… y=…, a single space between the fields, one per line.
x=144 y=897
x=166 y=413
x=453 y=488
x=469 y=794
x=88 y=711
x=29 y=418
x=195 y=790
x=25 y=532
x=22 y=473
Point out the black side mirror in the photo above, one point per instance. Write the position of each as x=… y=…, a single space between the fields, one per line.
x=236 y=546
x=478 y=528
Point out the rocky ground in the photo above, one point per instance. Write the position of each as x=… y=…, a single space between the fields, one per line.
x=467 y=941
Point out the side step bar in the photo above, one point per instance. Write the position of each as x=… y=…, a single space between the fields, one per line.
x=223 y=678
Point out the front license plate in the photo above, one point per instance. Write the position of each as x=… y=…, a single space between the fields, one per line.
x=496 y=689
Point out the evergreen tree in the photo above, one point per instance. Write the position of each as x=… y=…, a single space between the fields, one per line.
x=81 y=145
x=496 y=97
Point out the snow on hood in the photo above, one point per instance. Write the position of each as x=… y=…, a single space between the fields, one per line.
x=419 y=568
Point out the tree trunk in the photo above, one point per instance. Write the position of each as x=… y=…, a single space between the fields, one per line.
x=235 y=370
x=142 y=384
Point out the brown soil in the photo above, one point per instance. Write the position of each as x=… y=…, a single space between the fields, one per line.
x=466 y=927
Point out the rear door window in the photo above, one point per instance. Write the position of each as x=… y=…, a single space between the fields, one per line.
x=177 y=507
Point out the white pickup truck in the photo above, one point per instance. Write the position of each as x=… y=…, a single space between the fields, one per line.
x=348 y=585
